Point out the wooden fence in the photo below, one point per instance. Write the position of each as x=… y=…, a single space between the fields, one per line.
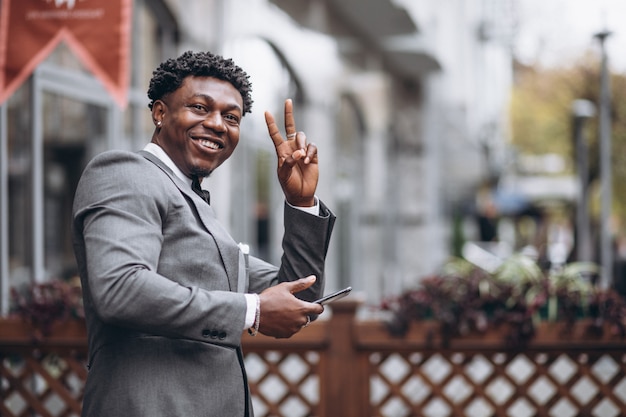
x=344 y=367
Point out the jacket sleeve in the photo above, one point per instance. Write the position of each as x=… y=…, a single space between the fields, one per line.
x=305 y=246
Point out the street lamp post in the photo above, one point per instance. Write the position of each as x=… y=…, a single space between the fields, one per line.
x=582 y=110
x=606 y=243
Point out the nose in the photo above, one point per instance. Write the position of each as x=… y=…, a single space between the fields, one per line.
x=214 y=121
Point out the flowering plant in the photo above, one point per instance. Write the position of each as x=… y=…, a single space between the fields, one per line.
x=464 y=298
x=43 y=304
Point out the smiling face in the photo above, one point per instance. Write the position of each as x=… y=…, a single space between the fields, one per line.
x=199 y=124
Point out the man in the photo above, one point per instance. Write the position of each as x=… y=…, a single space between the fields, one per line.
x=167 y=291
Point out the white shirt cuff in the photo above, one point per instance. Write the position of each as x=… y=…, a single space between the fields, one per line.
x=251 y=301
x=314 y=209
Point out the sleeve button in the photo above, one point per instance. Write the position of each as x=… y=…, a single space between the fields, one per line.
x=206 y=333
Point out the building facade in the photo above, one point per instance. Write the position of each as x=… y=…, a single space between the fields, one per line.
x=406 y=100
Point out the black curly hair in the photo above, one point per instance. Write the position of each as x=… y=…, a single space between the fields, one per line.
x=170 y=74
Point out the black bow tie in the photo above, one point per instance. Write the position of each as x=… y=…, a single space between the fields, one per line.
x=204 y=194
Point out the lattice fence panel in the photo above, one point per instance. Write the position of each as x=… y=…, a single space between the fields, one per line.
x=48 y=386
x=511 y=384
x=284 y=384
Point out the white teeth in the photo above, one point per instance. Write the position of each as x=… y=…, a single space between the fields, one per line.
x=209 y=144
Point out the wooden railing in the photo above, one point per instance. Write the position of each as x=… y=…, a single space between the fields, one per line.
x=344 y=367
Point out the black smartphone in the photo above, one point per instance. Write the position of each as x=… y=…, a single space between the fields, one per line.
x=334 y=296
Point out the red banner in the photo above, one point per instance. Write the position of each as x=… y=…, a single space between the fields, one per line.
x=97 y=31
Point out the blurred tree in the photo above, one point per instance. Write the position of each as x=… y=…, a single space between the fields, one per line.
x=541 y=119
x=539 y=111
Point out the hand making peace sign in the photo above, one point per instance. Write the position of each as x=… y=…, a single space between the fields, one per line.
x=298 y=169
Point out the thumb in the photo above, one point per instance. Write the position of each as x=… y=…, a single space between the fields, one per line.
x=301 y=284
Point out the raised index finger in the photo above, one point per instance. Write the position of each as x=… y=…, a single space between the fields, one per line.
x=290 y=123
x=273 y=129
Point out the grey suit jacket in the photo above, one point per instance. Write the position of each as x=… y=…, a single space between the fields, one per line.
x=163 y=287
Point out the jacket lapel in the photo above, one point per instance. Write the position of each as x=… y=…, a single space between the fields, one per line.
x=229 y=250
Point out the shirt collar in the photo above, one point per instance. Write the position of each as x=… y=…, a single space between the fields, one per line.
x=157 y=151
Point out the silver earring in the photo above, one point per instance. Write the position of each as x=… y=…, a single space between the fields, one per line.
x=159 y=123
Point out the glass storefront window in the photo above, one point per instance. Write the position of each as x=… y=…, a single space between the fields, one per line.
x=70 y=129
x=20 y=196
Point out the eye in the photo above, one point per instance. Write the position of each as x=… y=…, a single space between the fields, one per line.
x=231 y=118
x=197 y=107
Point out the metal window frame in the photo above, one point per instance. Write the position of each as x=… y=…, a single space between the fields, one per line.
x=4 y=215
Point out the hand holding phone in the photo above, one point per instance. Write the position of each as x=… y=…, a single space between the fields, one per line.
x=334 y=296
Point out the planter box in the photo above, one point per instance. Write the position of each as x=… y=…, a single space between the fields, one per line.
x=17 y=334
x=425 y=335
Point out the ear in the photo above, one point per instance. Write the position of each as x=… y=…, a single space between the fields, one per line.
x=158 y=112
